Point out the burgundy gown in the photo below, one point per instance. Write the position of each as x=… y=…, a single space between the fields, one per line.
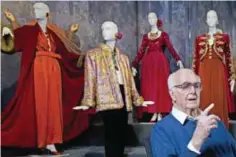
x=154 y=73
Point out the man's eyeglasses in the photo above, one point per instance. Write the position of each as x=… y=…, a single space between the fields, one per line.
x=188 y=85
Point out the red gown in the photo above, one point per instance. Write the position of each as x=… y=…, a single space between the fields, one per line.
x=213 y=63
x=154 y=73
x=18 y=121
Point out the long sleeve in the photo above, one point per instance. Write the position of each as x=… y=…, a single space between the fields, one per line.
x=228 y=59
x=15 y=24
x=19 y=38
x=170 y=47
x=16 y=43
x=70 y=59
x=90 y=78
x=196 y=58
x=72 y=37
x=162 y=146
x=137 y=99
x=141 y=51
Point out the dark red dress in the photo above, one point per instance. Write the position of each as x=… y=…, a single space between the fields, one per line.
x=154 y=73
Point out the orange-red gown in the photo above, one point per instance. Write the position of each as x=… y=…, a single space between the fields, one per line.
x=49 y=86
x=48 y=91
x=213 y=64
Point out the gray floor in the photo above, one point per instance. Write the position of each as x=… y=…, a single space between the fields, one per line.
x=99 y=152
x=139 y=130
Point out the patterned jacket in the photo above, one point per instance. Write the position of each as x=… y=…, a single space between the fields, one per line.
x=102 y=89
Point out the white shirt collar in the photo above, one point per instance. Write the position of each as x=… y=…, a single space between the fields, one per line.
x=179 y=115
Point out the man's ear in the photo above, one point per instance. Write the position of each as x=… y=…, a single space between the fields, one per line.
x=172 y=95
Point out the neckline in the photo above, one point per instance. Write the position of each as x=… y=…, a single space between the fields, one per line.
x=148 y=35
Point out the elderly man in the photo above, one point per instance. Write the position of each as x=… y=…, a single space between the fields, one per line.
x=187 y=131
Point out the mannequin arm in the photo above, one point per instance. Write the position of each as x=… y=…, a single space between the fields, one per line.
x=229 y=61
x=141 y=52
x=13 y=40
x=196 y=58
x=170 y=47
x=89 y=85
x=137 y=99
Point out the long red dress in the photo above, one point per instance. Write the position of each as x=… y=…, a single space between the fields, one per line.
x=19 y=118
x=213 y=63
x=154 y=73
x=48 y=91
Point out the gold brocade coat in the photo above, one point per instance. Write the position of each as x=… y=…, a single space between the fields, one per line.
x=102 y=89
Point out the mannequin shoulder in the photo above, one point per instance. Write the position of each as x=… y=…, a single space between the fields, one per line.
x=165 y=35
x=124 y=56
x=202 y=37
x=145 y=36
x=225 y=35
x=94 y=52
x=222 y=36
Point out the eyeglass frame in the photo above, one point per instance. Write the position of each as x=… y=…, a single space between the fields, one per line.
x=199 y=84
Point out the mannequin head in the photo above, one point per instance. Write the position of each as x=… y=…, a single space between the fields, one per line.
x=212 y=18
x=152 y=19
x=41 y=11
x=109 y=30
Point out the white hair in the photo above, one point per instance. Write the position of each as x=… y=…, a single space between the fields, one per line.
x=171 y=82
x=112 y=24
x=42 y=6
x=171 y=79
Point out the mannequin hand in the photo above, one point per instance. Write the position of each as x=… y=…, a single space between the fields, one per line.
x=9 y=15
x=80 y=108
x=6 y=31
x=180 y=64
x=74 y=28
x=134 y=71
x=146 y=103
x=232 y=83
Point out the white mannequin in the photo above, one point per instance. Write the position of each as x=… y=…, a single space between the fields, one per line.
x=41 y=11
x=109 y=31
x=152 y=19
x=212 y=21
x=109 y=36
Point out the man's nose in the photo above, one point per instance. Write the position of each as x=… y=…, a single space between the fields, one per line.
x=192 y=89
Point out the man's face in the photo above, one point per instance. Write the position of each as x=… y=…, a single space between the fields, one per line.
x=108 y=32
x=186 y=92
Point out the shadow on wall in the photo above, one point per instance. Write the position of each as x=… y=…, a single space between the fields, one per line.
x=7 y=94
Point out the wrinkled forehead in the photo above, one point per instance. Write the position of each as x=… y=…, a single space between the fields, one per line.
x=186 y=76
